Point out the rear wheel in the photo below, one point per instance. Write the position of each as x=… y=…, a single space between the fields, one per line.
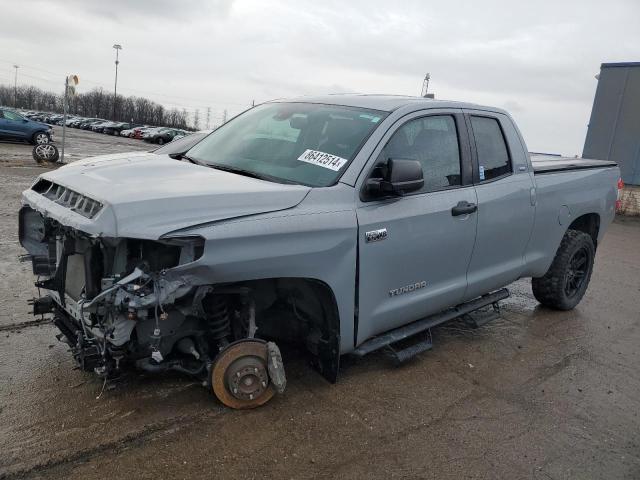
x=160 y=141
x=566 y=281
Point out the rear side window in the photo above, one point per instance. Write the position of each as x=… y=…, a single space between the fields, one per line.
x=493 y=156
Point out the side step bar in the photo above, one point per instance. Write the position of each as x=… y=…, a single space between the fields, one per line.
x=406 y=331
x=407 y=349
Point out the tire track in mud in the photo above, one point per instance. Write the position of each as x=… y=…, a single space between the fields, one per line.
x=12 y=327
x=113 y=447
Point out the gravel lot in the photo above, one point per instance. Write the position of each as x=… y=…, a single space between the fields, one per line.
x=536 y=394
x=79 y=144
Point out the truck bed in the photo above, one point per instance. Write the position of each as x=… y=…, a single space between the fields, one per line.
x=552 y=163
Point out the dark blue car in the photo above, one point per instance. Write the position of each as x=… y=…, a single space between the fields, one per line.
x=14 y=126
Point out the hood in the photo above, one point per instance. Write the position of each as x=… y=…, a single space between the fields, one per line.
x=105 y=158
x=148 y=195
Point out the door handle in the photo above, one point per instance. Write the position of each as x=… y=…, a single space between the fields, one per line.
x=463 y=208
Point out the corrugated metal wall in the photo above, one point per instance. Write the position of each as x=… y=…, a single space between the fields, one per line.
x=614 y=127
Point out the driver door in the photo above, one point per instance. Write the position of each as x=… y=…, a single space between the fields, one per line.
x=414 y=251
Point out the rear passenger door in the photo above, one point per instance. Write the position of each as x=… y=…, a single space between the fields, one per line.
x=504 y=188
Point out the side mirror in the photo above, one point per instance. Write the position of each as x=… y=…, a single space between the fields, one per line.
x=398 y=177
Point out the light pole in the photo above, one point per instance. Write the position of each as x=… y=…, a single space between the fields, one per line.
x=115 y=88
x=15 y=87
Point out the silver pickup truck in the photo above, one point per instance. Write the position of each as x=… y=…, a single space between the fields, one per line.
x=344 y=223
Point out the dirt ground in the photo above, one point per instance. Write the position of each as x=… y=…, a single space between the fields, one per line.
x=536 y=394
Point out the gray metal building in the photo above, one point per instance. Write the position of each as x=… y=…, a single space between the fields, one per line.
x=614 y=127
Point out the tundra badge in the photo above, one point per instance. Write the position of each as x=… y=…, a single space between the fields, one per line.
x=407 y=288
x=376 y=235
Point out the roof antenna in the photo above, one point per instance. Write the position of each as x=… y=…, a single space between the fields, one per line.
x=425 y=87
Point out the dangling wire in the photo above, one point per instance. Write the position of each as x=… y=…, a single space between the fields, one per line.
x=104 y=383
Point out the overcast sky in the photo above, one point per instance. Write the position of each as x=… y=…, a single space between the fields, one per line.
x=536 y=60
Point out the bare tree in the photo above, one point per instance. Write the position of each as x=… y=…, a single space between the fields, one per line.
x=96 y=103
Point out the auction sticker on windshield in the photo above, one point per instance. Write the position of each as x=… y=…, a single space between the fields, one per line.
x=322 y=159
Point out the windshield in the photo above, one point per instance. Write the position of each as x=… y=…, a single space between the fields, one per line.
x=304 y=143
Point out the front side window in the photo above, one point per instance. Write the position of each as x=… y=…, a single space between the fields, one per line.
x=9 y=115
x=433 y=141
x=493 y=156
x=305 y=143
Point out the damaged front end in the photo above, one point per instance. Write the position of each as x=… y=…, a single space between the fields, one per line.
x=117 y=306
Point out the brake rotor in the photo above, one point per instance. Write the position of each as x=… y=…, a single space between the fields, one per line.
x=240 y=377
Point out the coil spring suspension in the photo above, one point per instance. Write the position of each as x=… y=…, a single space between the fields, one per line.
x=218 y=317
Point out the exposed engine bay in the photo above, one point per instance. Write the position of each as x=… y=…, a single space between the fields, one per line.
x=117 y=307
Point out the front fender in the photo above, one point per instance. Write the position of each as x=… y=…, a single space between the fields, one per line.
x=320 y=246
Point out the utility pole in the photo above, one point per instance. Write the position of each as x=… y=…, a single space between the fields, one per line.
x=208 y=117
x=196 y=119
x=115 y=88
x=15 y=87
x=224 y=116
x=70 y=83
x=64 y=116
x=425 y=85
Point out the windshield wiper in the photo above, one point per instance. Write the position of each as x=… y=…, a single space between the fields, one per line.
x=248 y=173
x=189 y=159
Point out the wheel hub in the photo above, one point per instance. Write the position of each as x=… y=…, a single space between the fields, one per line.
x=577 y=272
x=239 y=376
x=247 y=378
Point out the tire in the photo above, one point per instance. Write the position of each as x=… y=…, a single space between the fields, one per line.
x=566 y=281
x=40 y=138
x=45 y=152
x=160 y=141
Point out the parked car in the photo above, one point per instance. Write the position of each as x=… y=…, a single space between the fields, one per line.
x=140 y=131
x=118 y=127
x=14 y=126
x=75 y=122
x=54 y=118
x=344 y=223
x=161 y=135
x=100 y=126
x=88 y=123
x=113 y=128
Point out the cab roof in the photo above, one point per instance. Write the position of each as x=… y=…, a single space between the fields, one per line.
x=385 y=103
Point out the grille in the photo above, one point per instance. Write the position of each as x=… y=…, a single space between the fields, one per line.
x=85 y=206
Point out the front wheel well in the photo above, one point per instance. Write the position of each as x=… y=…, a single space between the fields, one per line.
x=301 y=311
x=589 y=224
